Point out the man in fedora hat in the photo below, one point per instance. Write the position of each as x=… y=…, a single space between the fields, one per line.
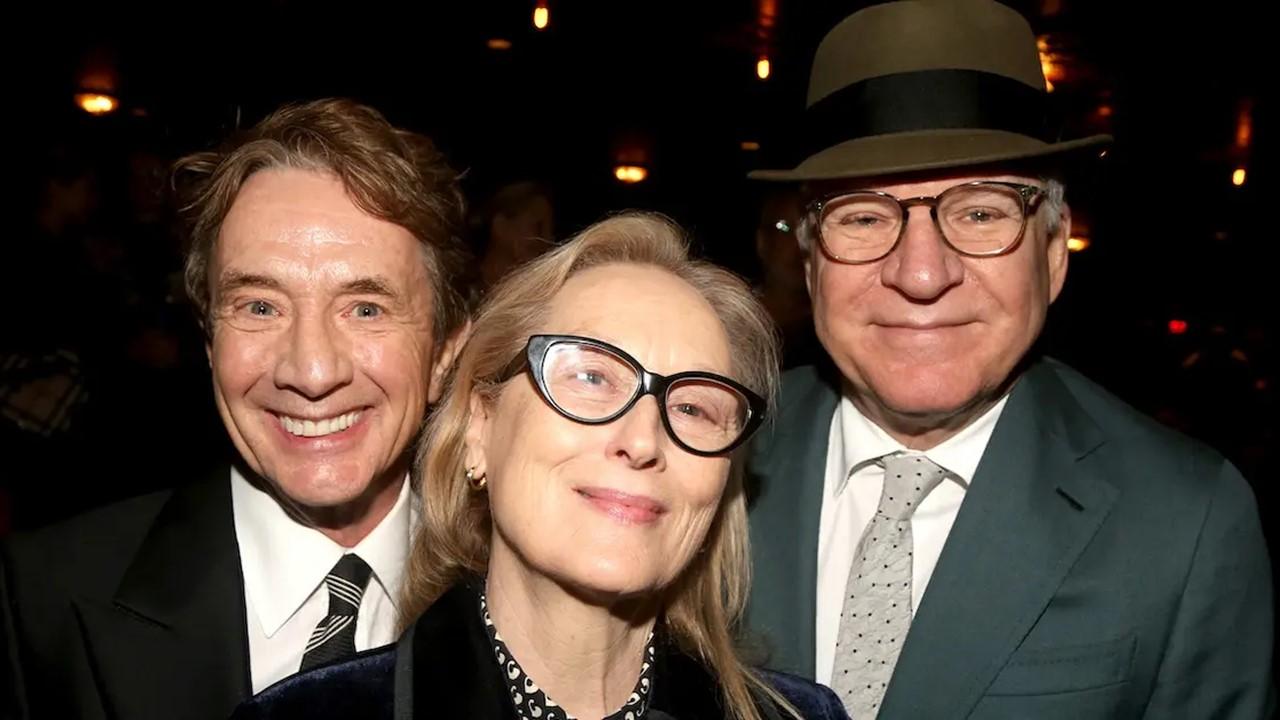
x=1052 y=553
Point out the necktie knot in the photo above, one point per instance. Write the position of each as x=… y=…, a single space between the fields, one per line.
x=346 y=582
x=907 y=480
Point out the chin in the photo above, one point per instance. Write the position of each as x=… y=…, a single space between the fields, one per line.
x=927 y=392
x=611 y=578
x=321 y=489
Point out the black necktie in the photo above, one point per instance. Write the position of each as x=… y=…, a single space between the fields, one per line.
x=335 y=637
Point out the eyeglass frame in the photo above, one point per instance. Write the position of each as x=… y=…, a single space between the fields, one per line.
x=650 y=383
x=1031 y=197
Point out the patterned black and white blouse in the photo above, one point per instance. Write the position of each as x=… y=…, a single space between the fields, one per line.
x=532 y=703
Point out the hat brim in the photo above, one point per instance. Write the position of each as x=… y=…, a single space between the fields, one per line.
x=910 y=152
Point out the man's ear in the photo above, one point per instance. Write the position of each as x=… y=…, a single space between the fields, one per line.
x=447 y=354
x=1057 y=253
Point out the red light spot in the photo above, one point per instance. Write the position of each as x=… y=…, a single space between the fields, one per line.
x=1177 y=327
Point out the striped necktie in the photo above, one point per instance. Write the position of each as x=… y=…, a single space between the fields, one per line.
x=335 y=637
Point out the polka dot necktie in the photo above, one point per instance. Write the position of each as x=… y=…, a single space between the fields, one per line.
x=877 y=602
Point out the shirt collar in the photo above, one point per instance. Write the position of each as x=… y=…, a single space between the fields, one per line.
x=284 y=561
x=865 y=442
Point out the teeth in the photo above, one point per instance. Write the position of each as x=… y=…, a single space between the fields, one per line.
x=318 y=428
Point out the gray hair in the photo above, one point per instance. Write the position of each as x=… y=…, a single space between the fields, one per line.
x=1055 y=201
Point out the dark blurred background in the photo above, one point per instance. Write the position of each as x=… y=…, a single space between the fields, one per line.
x=1168 y=303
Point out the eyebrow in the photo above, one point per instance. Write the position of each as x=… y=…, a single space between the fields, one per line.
x=373 y=285
x=232 y=280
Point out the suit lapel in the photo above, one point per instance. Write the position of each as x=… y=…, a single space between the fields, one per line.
x=1028 y=515
x=787 y=474
x=174 y=635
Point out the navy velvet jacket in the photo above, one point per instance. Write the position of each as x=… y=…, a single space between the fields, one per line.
x=443 y=667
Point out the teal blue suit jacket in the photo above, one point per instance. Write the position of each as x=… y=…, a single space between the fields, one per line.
x=1101 y=566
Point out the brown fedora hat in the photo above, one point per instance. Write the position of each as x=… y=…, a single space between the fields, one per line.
x=926 y=85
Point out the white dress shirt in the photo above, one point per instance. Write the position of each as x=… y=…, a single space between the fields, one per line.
x=285 y=563
x=851 y=494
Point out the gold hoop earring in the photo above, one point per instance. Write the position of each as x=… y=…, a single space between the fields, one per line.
x=476 y=483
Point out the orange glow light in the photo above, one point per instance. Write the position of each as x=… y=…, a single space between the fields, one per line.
x=97 y=103
x=541 y=16
x=630 y=174
x=768 y=13
x=1050 y=63
x=1244 y=125
x=762 y=68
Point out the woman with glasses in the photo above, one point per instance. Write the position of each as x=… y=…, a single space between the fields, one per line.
x=583 y=547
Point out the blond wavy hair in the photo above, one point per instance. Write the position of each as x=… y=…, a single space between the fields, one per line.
x=703 y=607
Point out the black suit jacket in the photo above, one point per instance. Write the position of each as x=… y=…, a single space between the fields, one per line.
x=444 y=667
x=135 y=611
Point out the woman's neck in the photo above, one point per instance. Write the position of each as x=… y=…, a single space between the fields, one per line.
x=585 y=656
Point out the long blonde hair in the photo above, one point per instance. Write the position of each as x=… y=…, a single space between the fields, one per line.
x=705 y=604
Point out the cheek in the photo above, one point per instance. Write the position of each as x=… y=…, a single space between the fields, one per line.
x=838 y=291
x=1019 y=291
x=522 y=449
x=529 y=504
x=240 y=360
x=707 y=484
x=701 y=495
x=517 y=498
x=398 y=365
